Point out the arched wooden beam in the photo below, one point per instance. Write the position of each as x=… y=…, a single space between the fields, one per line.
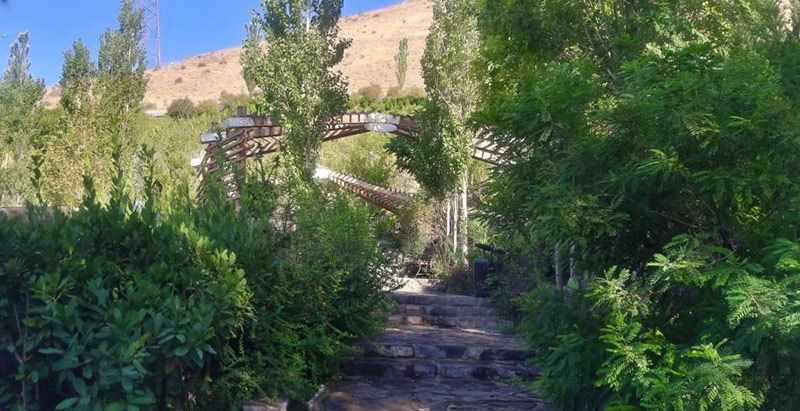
x=390 y=200
x=262 y=128
x=248 y=136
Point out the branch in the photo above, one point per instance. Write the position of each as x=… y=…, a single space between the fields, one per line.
x=675 y=219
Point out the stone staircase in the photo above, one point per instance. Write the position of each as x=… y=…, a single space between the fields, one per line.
x=439 y=352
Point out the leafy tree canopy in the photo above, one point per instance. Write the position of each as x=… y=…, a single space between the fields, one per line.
x=301 y=91
x=441 y=155
x=660 y=138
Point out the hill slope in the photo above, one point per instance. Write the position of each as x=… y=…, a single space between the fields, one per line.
x=370 y=59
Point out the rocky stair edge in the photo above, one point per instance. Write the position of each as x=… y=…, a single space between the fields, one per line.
x=442 y=336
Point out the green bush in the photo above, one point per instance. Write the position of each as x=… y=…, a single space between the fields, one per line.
x=394 y=92
x=207 y=107
x=113 y=307
x=669 y=151
x=314 y=287
x=372 y=92
x=171 y=303
x=230 y=102
x=415 y=92
x=181 y=108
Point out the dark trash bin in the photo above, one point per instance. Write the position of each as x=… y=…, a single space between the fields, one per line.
x=480 y=273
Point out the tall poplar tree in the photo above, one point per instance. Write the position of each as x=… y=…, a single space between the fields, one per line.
x=19 y=95
x=99 y=100
x=301 y=89
x=401 y=63
x=121 y=66
x=78 y=142
x=77 y=78
x=440 y=157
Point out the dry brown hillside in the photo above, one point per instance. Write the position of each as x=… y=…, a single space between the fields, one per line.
x=370 y=59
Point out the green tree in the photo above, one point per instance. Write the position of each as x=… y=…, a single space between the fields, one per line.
x=440 y=157
x=19 y=122
x=661 y=140
x=18 y=71
x=251 y=42
x=182 y=108
x=98 y=101
x=302 y=92
x=401 y=63
x=77 y=78
x=121 y=66
x=76 y=144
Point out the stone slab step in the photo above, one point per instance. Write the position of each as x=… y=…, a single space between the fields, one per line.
x=417 y=285
x=487 y=323
x=380 y=394
x=438 y=299
x=438 y=368
x=445 y=310
x=410 y=341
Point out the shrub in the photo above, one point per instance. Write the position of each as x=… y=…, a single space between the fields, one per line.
x=667 y=155
x=123 y=306
x=181 y=108
x=394 y=92
x=414 y=92
x=113 y=308
x=229 y=101
x=207 y=107
x=313 y=290
x=179 y=80
x=372 y=92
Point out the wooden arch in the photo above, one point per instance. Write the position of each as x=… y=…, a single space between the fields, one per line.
x=246 y=136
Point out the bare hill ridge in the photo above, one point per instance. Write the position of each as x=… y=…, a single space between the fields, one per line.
x=370 y=59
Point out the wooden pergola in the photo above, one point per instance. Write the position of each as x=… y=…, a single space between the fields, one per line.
x=245 y=136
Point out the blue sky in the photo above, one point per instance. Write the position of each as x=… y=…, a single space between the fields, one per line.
x=188 y=27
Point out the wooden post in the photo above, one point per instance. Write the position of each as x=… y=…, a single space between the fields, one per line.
x=241 y=166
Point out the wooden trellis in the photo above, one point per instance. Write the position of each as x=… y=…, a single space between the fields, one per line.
x=246 y=136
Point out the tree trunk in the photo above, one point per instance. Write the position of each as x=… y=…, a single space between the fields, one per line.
x=557 y=266
x=464 y=233
x=455 y=224
x=308 y=16
x=572 y=277
x=447 y=220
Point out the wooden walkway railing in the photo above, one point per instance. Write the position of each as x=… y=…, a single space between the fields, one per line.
x=385 y=198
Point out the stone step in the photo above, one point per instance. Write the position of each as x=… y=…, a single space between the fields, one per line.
x=487 y=323
x=438 y=299
x=438 y=368
x=383 y=394
x=411 y=341
x=444 y=310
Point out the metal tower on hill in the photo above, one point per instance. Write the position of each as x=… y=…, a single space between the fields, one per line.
x=152 y=29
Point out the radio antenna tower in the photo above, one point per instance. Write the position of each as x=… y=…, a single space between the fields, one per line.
x=152 y=28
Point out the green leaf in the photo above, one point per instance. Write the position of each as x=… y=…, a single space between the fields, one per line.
x=127 y=385
x=69 y=402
